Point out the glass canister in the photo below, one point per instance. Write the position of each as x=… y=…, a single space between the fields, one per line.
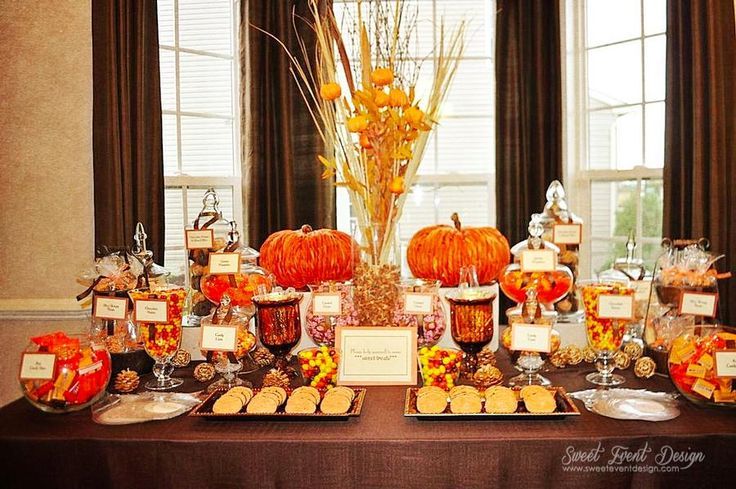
x=330 y=305
x=210 y=217
x=241 y=286
x=278 y=324
x=702 y=365
x=563 y=228
x=62 y=373
x=529 y=363
x=471 y=323
x=420 y=305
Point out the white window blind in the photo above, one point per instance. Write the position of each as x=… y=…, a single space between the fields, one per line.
x=199 y=87
x=616 y=99
x=458 y=170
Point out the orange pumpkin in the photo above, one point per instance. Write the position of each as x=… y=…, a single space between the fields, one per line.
x=438 y=252
x=302 y=257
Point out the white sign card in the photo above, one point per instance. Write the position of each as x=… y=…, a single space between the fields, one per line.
x=418 y=303
x=376 y=356
x=567 y=234
x=219 y=338
x=326 y=304
x=531 y=337
x=110 y=307
x=538 y=261
x=725 y=363
x=698 y=304
x=224 y=263
x=199 y=239
x=37 y=366
x=612 y=306
x=151 y=311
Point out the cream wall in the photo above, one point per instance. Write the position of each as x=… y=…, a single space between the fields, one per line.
x=46 y=215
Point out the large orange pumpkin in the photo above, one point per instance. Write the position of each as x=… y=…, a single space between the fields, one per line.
x=438 y=252
x=302 y=257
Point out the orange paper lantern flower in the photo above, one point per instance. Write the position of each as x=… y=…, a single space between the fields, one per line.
x=397 y=98
x=330 y=91
x=357 y=123
x=382 y=76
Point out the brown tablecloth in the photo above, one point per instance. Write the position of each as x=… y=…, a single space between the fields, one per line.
x=379 y=449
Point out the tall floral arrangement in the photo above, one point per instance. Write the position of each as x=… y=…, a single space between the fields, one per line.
x=361 y=93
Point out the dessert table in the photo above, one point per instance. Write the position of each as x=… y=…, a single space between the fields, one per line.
x=381 y=448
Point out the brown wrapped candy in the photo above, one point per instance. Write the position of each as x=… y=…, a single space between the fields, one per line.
x=276 y=378
x=633 y=350
x=645 y=367
x=181 y=359
x=204 y=372
x=621 y=360
x=487 y=376
x=127 y=381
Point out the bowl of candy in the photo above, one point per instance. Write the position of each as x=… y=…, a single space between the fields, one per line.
x=440 y=366
x=62 y=373
x=702 y=365
x=319 y=366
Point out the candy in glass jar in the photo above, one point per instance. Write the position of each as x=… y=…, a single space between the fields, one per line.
x=420 y=305
x=330 y=305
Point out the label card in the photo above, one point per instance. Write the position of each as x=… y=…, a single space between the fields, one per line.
x=199 y=239
x=224 y=263
x=531 y=337
x=704 y=388
x=725 y=363
x=326 y=304
x=376 y=356
x=218 y=338
x=698 y=304
x=567 y=234
x=110 y=307
x=37 y=366
x=151 y=311
x=538 y=261
x=418 y=303
x=611 y=306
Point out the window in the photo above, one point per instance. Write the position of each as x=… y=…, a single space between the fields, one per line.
x=199 y=98
x=457 y=172
x=615 y=134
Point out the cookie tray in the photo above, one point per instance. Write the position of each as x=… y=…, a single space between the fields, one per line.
x=565 y=407
x=204 y=410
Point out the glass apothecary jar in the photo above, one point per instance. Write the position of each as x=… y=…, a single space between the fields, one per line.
x=62 y=373
x=330 y=305
x=420 y=305
x=702 y=365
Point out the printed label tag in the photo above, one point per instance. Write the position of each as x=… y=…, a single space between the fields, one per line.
x=531 y=337
x=199 y=239
x=611 y=306
x=151 y=311
x=224 y=263
x=698 y=304
x=326 y=304
x=219 y=338
x=110 y=307
x=37 y=366
x=567 y=234
x=418 y=303
x=725 y=363
x=538 y=261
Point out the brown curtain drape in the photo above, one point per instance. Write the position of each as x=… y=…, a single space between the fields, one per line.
x=700 y=130
x=528 y=110
x=283 y=188
x=127 y=140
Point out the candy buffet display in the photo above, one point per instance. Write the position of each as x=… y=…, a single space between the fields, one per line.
x=563 y=228
x=319 y=366
x=278 y=323
x=440 y=366
x=330 y=305
x=161 y=340
x=609 y=308
x=420 y=305
x=702 y=365
x=276 y=403
x=62 y=373
x=439 y=252
x=495 y=402
x=209 y=218
x=305 y=256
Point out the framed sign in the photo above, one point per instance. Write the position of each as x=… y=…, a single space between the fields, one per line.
x=151 y=311
x=218 y=338
x=538 y=261
x=199 y=239
x=37 y=366
x=531 y=337
x=376 y=356
x=613 y=306
x=110 y=307
x=567 y=234
x=224 y=263
x=698 y=304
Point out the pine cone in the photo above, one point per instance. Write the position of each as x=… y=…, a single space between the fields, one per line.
x=645 y=367
x=204 y=372
x=487 y=376
x=558 y=359
x=127 y=381
x=621 y=360
x=276 y=378
x=263 y=357
x=633 y=350
x=486 y=357
x=181 y=359
x=589 y=354
x=573 y=354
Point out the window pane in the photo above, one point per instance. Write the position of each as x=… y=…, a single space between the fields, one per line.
x=174 y=255
x=611 y=21
x=166 y=22
x=464 y=146
x=615 y=138
x=652 y=202
x=655 y=135
x=206 y=84
x=603 y=254
x=614 y=74
x=471 y=92
x=654 y=67
x=613 y=208
x=470 y=201
x=167 y=70
x=171 y=165
x=206 y=26
x=655 y=16
x=207 y=146
x=419 y=211
x=477 y=17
